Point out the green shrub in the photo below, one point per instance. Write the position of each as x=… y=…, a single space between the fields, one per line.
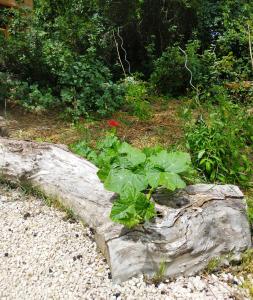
x=219 y=140
x=134 y=175
x=170 y=74
x=54 y=65
x=31 y=97
x=136 y=97
x=87 y=86
x=208 y=67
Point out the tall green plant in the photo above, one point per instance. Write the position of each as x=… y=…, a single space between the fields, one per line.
x=220 y=142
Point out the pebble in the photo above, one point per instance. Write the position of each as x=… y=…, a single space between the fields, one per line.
x=45 y=256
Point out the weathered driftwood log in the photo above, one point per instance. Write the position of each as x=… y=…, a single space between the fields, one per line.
x=194 y=225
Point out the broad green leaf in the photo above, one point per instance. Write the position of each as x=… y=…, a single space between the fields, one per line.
x=132 y=208
x=110 y=141
x=125 y=148
x=107 y=156
x=135 y=156
x=153 y=177
x=119 y=178
x=129 y=192
x=144 y=207
x=175 y=162
x=123 y=162
x=152 y=150
x=123 y=212
x=103 y=173
x=171 y=181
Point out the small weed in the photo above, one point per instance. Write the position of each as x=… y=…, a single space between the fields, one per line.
x=69 y=214
x=28 y=189
x=245 y=269
x=43 y=140
x=213 y=265
x=249 y=200
x=247 y=262
x=49 y=201
x=160 y=273
x=249 y=286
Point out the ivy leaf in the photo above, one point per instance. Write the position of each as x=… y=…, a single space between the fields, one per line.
x=119 y=178
x=175 y=162
x=171 y=181
x=135 y=156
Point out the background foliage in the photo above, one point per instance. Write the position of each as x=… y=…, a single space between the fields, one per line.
x=64 y=55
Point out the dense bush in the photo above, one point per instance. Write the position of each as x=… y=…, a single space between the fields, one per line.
x=136 y=94
x=66 y=53
x=171 y=75
x=50 y=69
x=220 y=141
x=87 y=86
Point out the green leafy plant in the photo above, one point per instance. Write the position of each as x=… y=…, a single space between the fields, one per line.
x=170 y=74
x=134 y=175
x=53 y=66
x=136 y=95
x=159 y=276
x=219 y=141
x=249 y=199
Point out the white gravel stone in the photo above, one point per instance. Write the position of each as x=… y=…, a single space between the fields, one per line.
x=42 y=256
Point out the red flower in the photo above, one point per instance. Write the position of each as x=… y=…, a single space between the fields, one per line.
x=113 y=123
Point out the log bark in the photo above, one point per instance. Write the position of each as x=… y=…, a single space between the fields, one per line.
x=194 y=225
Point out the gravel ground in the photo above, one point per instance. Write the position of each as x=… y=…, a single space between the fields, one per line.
x=43 y=256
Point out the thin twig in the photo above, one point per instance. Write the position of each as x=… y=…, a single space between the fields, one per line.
x=250 y=46
x=117 y=47
x=122 y=43
x=189 y=70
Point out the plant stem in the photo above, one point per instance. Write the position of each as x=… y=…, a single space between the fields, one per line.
x=149 y=195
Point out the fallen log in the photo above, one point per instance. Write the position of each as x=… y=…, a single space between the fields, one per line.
x=194 y=225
